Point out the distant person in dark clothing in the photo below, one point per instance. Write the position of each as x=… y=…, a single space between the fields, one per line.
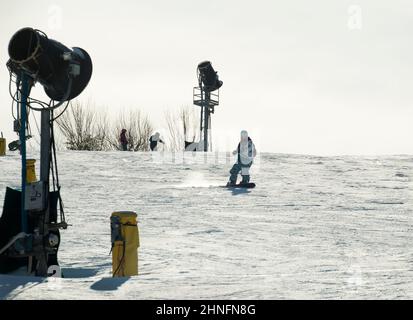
x=246 y=153
x=191 y=146
x=123 y=140
x=153 y=140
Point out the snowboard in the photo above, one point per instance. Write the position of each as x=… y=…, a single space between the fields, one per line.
x=249 y=185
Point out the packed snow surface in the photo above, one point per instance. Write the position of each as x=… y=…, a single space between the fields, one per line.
x=313 y=228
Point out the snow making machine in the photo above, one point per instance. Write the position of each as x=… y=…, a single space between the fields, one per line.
x=206 y=96
x=33 y=214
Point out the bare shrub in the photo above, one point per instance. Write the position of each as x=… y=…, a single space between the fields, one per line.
x=84 y=128
x=139 y=129
x=182 y=126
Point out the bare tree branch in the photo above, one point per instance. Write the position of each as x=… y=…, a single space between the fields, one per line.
x=139 y=129
x=84 y=128
x=182 y=126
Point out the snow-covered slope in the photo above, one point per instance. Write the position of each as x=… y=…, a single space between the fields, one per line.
x=314 y=227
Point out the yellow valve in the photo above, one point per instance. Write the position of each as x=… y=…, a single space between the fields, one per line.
x=2 y=146
x=30 y=171
x=125 y=243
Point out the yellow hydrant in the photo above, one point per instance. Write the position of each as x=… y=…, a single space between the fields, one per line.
x=125 y=243
x=30 y=171
x=2 y=146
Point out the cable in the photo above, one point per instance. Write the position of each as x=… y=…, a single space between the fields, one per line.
x=122 y=259
x=57 y=117
x=52 y=166
x=12 y=95
x=42 y=32
x=38 y=130
x=37 y=125
x=55 y=166
x=29 y=100
x=12 y=109
x=20 y=235
x=42 y=103
x=52 y=169
x=53 y=151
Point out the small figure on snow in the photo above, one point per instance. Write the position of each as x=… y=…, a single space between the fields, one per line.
x=246 y=153
x=123 y=140
x=153 y=140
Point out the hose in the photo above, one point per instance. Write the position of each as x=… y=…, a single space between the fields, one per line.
x=20 y=235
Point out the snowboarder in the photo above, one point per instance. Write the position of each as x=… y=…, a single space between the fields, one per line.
x=246 y=153
x=123 y=140
x=154 y=139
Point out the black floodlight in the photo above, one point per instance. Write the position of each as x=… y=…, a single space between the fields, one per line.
x=209 y=76
x=63 y=72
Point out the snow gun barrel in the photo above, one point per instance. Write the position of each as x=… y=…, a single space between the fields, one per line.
x=63 y=72
x=209 y=76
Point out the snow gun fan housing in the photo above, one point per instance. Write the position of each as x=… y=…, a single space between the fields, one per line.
x=63 y=72
x=208 y=76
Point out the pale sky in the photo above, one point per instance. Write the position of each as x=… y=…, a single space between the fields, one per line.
x=317 y=77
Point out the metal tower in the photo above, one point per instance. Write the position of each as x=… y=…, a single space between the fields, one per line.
x=206 y=96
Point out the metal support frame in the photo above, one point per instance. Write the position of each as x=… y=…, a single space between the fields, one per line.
x=207 y=101
x=23 y=124
x=45 y=152
x=206 y=120
x=45 y=158
x=42 y=218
